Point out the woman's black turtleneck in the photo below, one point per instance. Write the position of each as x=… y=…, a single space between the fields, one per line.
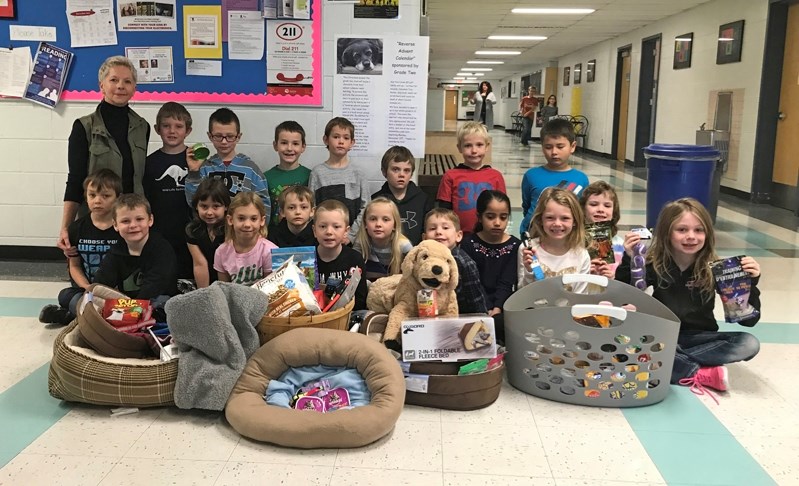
x=116 y=122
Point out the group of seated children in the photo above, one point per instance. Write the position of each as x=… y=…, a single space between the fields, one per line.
x=241 y=214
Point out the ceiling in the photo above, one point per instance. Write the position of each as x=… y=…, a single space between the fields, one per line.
x=458 y=28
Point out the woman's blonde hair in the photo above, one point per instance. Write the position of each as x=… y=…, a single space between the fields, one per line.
x=660 y=253
x=576 y=238
x=397 y=237
x=241 y=200
x=115 y=61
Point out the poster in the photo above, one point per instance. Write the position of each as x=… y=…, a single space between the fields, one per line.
x=15 y=67
x=153 y=64
x=289 y=58
x=382 y=89
x=245 y=35
x=202 y=31
x=91 y=23
x=49 y=74
x=236 y=6
x=376 y=9
x=146 y=16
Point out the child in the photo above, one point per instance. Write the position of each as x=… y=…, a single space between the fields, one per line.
x=558 y=143
x=527 y=108
x=289 y=144
x=677 y=267
x=494 y=252
x=246 y=255
x=382 y=247
x=296 y=210
x=558 y=239
x=142 y=265
x=333 y=258
x=92 y=235
x=238 y=171
x=164 y=174
x=206 y=232
x=444 y=226
x=600 y=203
x=460 y=186
x=398 y=165
x=336 y=178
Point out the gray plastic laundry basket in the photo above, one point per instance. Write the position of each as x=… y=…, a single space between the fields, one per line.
x=550 y=355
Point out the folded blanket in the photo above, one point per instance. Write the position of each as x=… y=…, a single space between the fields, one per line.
x=280 y=391
x=215 y=331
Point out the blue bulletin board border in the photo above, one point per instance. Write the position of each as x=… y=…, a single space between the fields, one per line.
x=242 y=82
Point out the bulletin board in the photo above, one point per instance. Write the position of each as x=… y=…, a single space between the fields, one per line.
x=242 y=82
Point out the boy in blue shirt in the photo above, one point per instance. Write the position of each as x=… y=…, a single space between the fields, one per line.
x=237 y=170
x=558 y=143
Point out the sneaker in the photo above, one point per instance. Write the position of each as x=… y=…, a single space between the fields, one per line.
x=715 y=377
x=53 y=314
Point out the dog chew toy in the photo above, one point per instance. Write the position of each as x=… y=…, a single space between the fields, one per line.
x=638 y=266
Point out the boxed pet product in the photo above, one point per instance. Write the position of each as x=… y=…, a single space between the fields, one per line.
x=449 y=338
x=565 y=347
x=438 y=385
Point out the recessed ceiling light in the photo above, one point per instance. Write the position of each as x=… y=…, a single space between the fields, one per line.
x=464 y=74
x=471 y=79
x=458 y=77
x=517 y=37
x=497 y=53
x=478 y=74
x=480 y=69
x=485 y=62
x=546 y=11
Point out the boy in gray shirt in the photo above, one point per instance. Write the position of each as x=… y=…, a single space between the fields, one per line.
x=336 y=179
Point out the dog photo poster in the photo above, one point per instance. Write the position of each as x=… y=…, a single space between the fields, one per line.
x=359 y=56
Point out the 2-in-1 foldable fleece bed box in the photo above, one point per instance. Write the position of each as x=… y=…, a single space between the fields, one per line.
x=251 y=416
x=79 y=373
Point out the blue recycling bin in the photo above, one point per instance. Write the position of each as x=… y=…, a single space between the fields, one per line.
x=675 y=171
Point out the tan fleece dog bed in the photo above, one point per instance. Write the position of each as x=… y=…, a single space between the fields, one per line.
x=80 y=374
x=252 y=417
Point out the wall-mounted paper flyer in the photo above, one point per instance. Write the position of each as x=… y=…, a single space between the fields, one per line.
x=202 y=31
x=15 y=68
x=147 y=16
x=289 y=57
x=91 y=23
x=49 y=74
x=153 y=64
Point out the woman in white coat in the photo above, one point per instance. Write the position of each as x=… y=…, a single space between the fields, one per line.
x=484 y=100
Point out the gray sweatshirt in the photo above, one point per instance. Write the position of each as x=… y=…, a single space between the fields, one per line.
x=346 y=184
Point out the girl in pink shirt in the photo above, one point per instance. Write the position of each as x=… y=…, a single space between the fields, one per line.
x=246 y=255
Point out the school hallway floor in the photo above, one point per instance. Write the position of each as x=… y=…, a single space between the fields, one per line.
x=750 y=438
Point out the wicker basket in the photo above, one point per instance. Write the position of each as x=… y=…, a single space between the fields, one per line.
x=271 y=327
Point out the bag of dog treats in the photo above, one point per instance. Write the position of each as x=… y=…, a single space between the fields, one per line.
x=288 y=292
x=733 y=284
x=599 y=241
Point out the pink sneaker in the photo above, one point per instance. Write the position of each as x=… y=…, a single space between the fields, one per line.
x=714 y=377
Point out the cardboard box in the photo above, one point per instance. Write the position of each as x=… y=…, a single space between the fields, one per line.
x=449 y=338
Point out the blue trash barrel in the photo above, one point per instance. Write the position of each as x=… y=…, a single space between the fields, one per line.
x=675 y=171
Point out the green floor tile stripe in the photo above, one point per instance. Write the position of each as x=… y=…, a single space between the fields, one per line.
x=689 y=445
x=23 y=306
x=26 y=412
x=768 y=332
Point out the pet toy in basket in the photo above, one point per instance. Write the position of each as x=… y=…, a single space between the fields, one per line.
x=565 y=347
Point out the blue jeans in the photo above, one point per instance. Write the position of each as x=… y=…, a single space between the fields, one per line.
x=69 y=298
x=711 y=348
x=527 y=126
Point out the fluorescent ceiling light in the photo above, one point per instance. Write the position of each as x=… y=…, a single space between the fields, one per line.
x=485 y=62
x=458 y=77
x=517 y=37
x=464 y=74
x=471 y=79
x=480 y=69
x=478 y=74
x=497 y=53
x=556 y=11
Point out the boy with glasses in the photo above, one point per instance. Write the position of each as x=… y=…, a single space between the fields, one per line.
x=237 y=171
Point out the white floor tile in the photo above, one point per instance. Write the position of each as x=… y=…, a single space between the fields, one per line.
x=456 y=479
x=135 y=472
x=52 y=470
x=555 y=414
x=777 y=455
x=252 y=451
x=414 y=446
x=242 y=473
x=511 y=407
x=34 y=348
x=367 y=477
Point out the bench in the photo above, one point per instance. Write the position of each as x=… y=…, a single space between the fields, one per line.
x=432 y=169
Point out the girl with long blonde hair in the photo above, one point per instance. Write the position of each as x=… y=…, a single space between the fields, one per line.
x=380 y=240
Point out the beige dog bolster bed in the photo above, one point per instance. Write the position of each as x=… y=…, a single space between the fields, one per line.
x=251 y=416
x=80 y=374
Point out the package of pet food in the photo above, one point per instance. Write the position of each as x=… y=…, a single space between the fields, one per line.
x=128 y=315
x=315 y=404
x=288 y=292
x=733 y=284
x=427 y=302
x=304 y=257
x=600 y=244
x=336 y=399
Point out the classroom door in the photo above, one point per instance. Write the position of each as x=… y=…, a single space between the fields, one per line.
x=623 y=73
x=785 y=175
x=647 y=97
x=451 y=105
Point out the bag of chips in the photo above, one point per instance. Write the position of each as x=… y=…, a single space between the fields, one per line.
x=288 y=292
x=733 y=284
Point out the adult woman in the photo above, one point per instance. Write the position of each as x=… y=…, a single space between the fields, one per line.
x=484 y=101
x=112 y=137
x=550 y=110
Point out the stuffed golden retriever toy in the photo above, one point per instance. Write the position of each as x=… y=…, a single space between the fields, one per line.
x=429 y=265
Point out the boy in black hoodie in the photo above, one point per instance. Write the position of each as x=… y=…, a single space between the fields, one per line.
x=142 y=265
x=398 y=166
x=295 y=227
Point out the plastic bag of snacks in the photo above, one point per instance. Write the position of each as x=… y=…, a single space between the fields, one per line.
x=733 y=284
x=128 y=315
x=288 y=292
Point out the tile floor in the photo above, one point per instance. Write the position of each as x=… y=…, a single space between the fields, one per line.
x=751 y=438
